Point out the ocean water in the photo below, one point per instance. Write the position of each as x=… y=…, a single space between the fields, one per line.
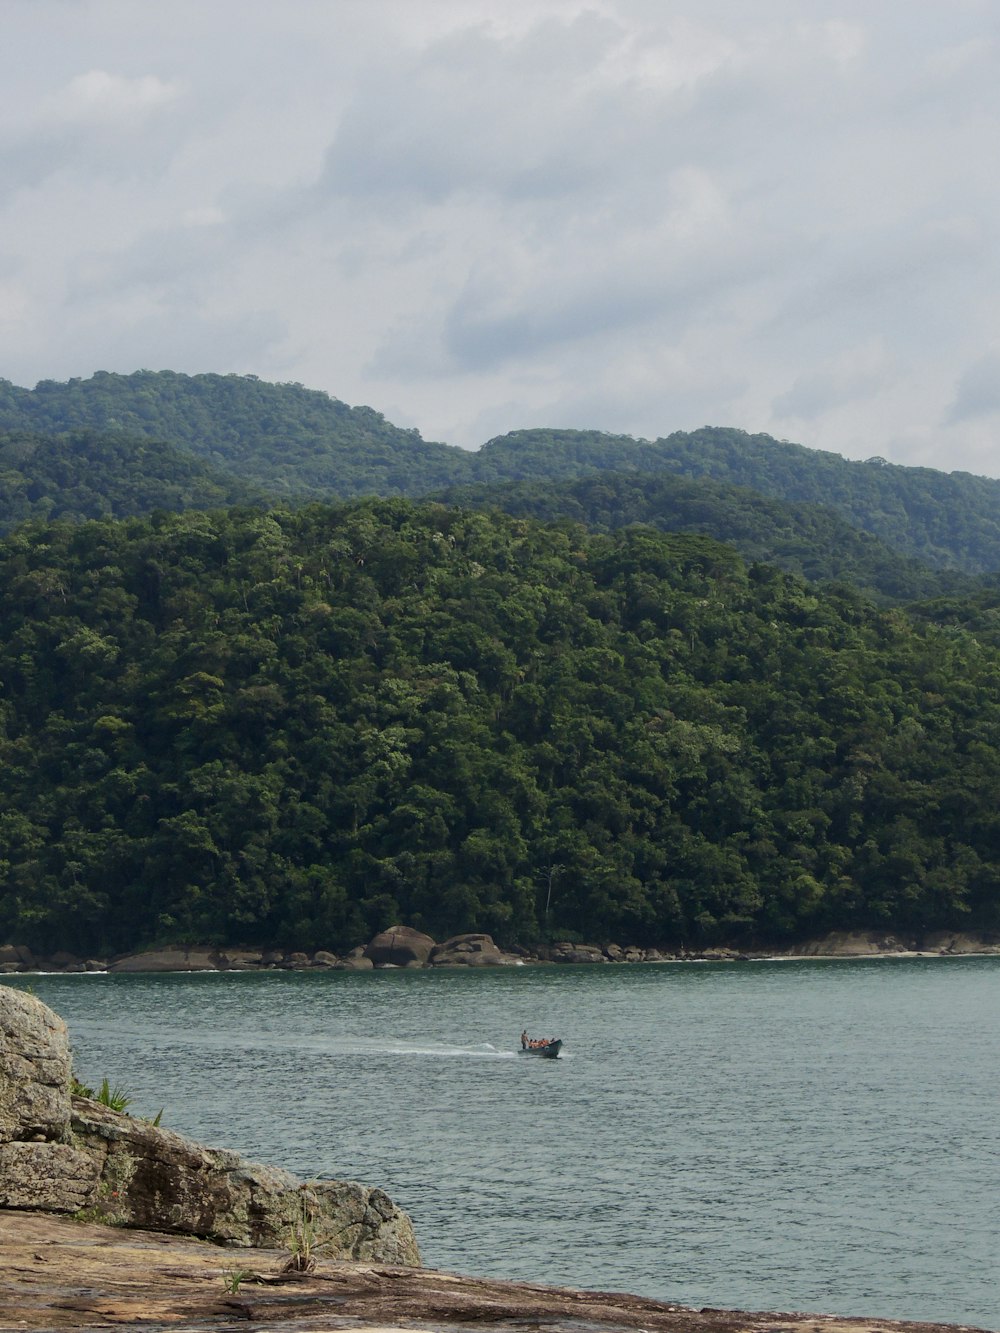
x=814 y=1135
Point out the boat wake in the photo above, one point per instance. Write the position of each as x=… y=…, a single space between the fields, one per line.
x=441 y=1050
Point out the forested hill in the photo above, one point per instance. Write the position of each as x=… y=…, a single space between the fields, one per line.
x=86 y=474
x=302 y=726
x=294 y=443
x=812 y=541
x=82 y=474
x=289 y=440
x=947 y=520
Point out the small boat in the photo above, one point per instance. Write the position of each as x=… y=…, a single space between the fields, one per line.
x=548 y=1050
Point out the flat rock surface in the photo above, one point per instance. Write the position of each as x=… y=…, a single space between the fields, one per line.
x=56 y=1273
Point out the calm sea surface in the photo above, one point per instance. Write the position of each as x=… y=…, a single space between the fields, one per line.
x=815 y=1135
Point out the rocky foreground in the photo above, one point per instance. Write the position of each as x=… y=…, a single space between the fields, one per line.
x=57 y=1274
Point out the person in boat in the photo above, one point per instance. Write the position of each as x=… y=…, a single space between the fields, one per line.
x=524 y=1039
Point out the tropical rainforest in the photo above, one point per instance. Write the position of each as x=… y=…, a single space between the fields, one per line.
x=623 y=699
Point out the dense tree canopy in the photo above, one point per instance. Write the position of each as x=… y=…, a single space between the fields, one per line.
x=946 y=520
x=582 y=716
x=287 y=439
x=82 y=474
x=811 y=540
x=302 y=725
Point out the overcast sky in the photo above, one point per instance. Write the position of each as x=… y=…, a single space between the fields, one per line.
x=482 y=215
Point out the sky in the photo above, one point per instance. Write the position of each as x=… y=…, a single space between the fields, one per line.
x=478 y=216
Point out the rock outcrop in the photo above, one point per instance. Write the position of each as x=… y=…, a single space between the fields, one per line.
x=169 y=960
x=68 y=1154
x=564 y=952
x=34 y=1070
x=466 y=951
x=400 y=946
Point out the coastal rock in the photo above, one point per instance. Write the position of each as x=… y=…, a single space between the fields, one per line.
x=353 y=964
x=63 y=1154
x=34 y=1069
x=295 y=960
x=17 y=956
x=564 y=952
x=62 y=959
x=844 y=944
x=952 y=941
x=51 y=1176
x=152 y=1178
x=466 y=951
x=399 y=946
x=167 y=960
x=237 y=960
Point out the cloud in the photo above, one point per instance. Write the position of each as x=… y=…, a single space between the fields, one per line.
x=857 y=373
x=977 y=393
x=97 y=122
x=98 y=97
x=522 y=116
x=493 y=212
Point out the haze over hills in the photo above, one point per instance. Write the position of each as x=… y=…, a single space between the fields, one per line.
x=810 y=540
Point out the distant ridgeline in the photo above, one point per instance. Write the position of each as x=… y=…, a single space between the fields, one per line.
x=289 y=441
x=129 y=444
x=298 y=727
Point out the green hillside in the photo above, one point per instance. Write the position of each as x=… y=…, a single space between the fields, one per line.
x=301 y=726
x=295 y=443
x=289 y=440
x=82 y=474
x=812 y=541
x=946 y=520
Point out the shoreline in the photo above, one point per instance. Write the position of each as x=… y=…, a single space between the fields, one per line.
x=480 y=951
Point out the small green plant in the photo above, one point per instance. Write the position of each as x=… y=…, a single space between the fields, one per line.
x=79 y=1089
x=233 y=1278
x=114 y=1098
x=302 y=1242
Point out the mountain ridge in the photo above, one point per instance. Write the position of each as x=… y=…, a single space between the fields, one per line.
x=286 y=444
